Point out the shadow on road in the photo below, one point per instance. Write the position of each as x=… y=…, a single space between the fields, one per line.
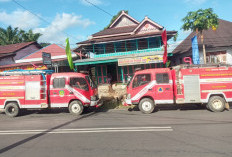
x=86 y=115
x=184 y=107
x=59 y=111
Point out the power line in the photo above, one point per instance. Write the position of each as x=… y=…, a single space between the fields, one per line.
x=40 y=17
x=98 y=8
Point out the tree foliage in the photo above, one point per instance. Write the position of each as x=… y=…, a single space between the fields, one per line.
x=15 y=35
x=44 y=44
x=115 y=17
x=200 y=20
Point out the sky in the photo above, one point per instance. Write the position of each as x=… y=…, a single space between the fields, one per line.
x=78 y=19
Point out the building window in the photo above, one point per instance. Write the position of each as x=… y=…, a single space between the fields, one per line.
x=99 y=49
x=110 y=48
x=143 y=44
x=120 y=46
x=131 y=45
x=154 y=42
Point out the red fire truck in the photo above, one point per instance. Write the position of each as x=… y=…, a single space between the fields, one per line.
x=209 y=85
x=33 y=89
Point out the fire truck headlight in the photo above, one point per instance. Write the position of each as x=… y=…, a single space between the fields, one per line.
x=128 y=96
x=93 y=98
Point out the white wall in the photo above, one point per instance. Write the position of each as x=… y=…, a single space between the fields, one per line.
x=229 y=56
x=201 y=57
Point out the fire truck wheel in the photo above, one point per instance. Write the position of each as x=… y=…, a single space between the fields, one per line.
x=146 y=105
x=12 y=109
x=76 y=108
x=216 y=104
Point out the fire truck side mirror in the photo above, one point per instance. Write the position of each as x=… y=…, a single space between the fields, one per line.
x=129 y=78
x=188 y=60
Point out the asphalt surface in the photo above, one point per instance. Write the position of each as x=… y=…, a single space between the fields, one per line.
x=169 y=132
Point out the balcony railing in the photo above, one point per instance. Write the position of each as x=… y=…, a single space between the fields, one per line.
x=128 y=52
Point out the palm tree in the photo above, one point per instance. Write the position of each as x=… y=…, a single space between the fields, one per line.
x=10 y=36
x=14 y=35
x=30 y=36
x=199 y=21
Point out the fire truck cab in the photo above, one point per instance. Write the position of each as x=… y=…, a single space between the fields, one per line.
x=209 y=85
x=36 y=89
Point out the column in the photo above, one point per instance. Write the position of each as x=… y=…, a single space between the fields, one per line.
x=122 y=75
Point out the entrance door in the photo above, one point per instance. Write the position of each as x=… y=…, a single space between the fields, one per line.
x=112 y=72
x=101 y=74
x=192 y=89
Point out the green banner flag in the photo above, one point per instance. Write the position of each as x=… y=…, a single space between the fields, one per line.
x=69 y=54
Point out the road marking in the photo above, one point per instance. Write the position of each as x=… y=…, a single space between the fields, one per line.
x=86 y=130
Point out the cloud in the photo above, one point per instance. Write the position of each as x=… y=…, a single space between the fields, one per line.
x=88 y=2
x=54 y=33
x=197 y=2
x=19 y=18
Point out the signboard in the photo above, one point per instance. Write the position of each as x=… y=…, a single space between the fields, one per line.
x=27 y=67
x=46 y=58
x=140 y=60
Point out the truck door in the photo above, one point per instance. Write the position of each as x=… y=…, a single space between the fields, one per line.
x=80 y=88
x=141 y=85
x=59 y=95
x=163 y=88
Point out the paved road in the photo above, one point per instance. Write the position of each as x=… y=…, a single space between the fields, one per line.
x=118 y=133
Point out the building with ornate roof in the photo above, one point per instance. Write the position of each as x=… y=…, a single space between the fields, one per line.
x=125 y=45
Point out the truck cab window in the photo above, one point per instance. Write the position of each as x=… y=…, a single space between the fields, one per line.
x=140 y=80
x=162 y=78
x=79 y=82
x=91 y=82
x=58 y=82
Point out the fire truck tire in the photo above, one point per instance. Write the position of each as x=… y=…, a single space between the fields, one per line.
x=12 y=109
x=216 y=104
x=146 y=105
x=76 y=107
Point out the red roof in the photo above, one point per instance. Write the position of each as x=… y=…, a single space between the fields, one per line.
x=53 y=49
x=14 y=47
x=29 y=63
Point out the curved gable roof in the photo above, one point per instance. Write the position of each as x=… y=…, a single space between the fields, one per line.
x=117 y=21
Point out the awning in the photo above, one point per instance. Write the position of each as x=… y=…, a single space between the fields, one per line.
x=112 y=59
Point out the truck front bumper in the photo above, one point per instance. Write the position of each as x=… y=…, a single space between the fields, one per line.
x=128 y=101
x=96 y=103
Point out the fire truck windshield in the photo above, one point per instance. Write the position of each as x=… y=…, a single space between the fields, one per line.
x=129 y=79
x=91 y=82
